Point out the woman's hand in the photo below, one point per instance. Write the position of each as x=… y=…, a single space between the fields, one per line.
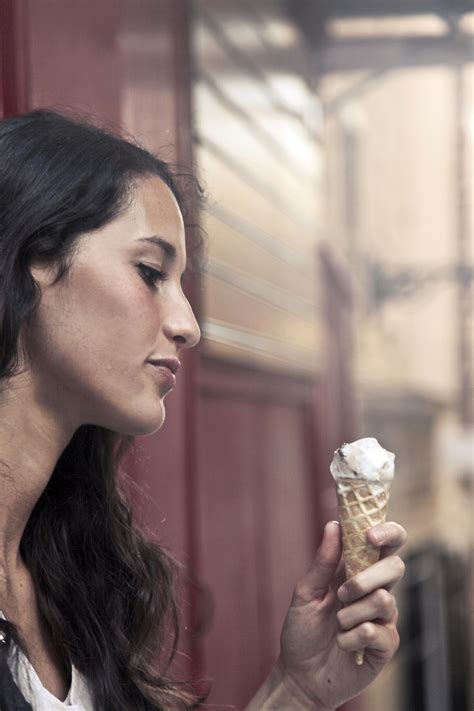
x=327 y=622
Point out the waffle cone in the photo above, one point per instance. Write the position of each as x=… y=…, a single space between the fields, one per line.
x=361 y=506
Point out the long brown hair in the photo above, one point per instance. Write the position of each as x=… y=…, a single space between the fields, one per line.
x=104 y=589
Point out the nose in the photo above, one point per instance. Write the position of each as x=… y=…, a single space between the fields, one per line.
x=180 y=324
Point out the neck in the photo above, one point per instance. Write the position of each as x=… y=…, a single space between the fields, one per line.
x=33 y=434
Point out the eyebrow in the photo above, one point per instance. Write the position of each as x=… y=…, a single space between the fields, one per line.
x=168 y=248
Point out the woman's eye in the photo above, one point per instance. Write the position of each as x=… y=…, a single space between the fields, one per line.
x=151 y=276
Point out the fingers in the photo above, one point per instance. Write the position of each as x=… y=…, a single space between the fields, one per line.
x=317 y=580
x=384 y=574
x=379 y=605
x=370 y=623
x=383 y=639
x=368 y=620
x=388 y=536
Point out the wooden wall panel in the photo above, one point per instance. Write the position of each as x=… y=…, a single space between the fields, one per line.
x=257 y=519
x=228 y=509
x=259 y=154
x=261 y=314
x=226 y=177
x=72 y=56
x=241 y=58
x=14 y=50
x=290 y=509
x=254 y=148
x=250 y=256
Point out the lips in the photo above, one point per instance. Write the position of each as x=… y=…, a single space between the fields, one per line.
x=172 y=364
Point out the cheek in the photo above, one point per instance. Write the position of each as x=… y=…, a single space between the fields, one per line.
x=120 y=313
x=94 y=329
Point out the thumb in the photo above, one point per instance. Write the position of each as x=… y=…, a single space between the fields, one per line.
x=326 y=561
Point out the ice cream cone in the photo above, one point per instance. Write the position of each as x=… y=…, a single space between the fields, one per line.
x=361 y=506
x=363 y=472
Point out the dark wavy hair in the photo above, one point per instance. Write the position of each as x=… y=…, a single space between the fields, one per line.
x=105 y=590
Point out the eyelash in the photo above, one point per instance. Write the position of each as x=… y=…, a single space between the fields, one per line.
x=155 y=275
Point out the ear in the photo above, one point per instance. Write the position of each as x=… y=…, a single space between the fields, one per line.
x=43 y=273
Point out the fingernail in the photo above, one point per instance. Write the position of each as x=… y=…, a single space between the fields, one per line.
x=378 y=534
x=328 y=526
x=343 y=594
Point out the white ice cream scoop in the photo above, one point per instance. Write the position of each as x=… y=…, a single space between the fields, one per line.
x=363 y=459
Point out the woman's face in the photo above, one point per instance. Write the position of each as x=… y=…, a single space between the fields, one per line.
x=95 y=330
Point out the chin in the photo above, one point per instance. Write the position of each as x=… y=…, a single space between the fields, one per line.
x=141 y=425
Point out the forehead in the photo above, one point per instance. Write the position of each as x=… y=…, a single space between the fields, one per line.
x=153 y=209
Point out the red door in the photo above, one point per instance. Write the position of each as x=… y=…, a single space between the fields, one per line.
x=257 y=516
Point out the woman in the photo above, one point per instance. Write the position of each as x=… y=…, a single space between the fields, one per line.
x=92 y=255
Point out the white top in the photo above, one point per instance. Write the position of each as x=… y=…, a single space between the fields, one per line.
x=29 y=683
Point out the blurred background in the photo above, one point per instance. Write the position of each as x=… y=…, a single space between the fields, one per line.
x=335 y=142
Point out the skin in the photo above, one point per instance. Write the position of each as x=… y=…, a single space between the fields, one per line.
x=87 y=353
